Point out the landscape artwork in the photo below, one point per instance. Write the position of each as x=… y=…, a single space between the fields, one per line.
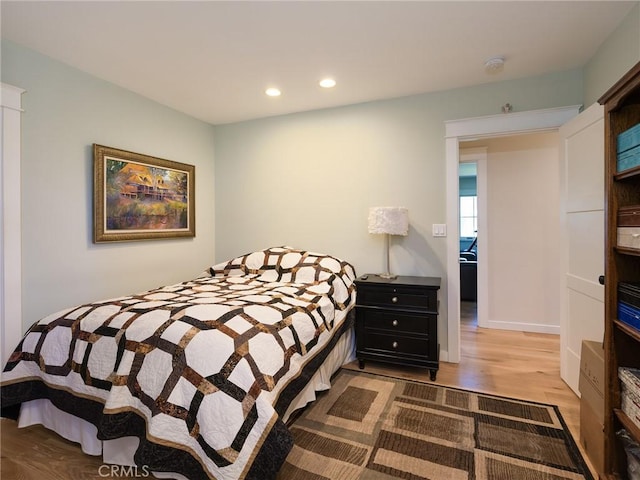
x=141 y=197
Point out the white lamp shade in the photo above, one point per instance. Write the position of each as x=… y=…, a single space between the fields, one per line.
x=390 y=220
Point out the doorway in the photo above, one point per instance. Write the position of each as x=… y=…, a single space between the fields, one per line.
x=521 y=219
x=458 y=131
x=470 y=159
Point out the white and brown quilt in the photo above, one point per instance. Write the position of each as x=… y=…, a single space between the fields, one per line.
x=201 y=371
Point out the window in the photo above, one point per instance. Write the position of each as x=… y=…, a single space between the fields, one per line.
x=468 y=216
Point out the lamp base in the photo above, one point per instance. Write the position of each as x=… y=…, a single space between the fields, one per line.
x=387 y=275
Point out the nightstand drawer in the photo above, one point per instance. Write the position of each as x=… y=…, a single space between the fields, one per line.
x=398 y=298
x=397 y=322
x=398 y=344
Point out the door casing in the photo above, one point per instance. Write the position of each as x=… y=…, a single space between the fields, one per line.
x=476 y=128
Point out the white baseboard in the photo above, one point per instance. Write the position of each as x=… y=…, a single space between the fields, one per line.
x=524 y=327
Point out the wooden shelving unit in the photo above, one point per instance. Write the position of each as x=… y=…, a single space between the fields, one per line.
x=622 y=342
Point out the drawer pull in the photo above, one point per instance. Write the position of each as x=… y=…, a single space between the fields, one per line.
x=394 y=323
x=394 y=299
x=394 y=344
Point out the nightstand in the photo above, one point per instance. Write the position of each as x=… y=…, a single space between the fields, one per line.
x=397 y=321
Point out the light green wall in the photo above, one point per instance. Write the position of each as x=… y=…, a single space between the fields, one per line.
x=614 y=58
x=65 y=112
x=308 y=179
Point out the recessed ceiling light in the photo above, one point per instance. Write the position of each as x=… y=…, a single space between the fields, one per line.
x=273 y=92
x=327 y=83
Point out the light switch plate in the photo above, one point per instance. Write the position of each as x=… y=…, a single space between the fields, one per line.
x=439 y=230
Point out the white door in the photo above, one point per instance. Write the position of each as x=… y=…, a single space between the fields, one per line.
x=582 y=218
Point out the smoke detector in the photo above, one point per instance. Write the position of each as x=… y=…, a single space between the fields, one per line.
x=494 y=65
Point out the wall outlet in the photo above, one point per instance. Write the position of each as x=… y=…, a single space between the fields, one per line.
x=439 y=230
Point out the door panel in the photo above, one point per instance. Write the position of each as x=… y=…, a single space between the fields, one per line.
x=585 y=169
x=584 y=312
x=586 y=245
x=582 y=219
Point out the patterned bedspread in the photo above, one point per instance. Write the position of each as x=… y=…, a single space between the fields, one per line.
x=200 y=371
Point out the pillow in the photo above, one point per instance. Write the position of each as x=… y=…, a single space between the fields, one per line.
x=285 y=264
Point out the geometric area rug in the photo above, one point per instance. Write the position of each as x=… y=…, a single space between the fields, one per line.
x=374 y=427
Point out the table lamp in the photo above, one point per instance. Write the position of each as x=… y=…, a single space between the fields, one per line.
x=389 y=221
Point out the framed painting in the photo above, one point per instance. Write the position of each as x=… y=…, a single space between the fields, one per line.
x=139 y=197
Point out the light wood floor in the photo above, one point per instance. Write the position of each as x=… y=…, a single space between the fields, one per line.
x=514 y=364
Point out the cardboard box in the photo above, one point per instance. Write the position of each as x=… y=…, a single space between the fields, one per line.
x=591 y=386
x=592 y=436
x=591 y=381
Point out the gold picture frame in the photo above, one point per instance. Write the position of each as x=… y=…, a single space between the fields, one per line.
x=140 y=197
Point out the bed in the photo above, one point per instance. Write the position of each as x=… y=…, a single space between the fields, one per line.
x=193 y=380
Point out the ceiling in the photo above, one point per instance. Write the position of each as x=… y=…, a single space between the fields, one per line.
x=213 y=60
